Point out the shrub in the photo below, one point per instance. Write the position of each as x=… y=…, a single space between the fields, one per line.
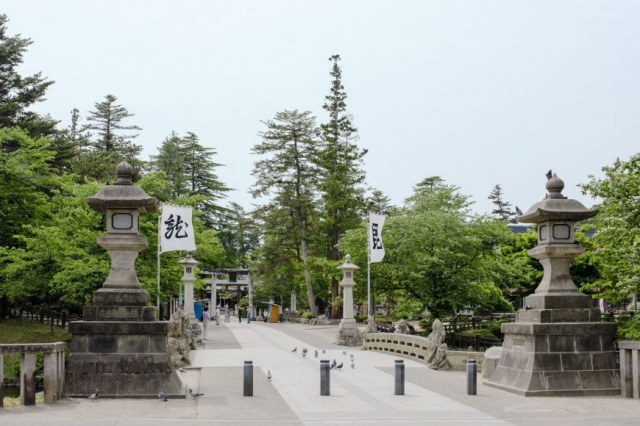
x=407 y=309
x=360 y=318
x=628 y=327
x=307 y=315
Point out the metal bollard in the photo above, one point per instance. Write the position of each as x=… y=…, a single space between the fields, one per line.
x=399 y=377
x=325 y=372
x=248 y=378
x=472 y=377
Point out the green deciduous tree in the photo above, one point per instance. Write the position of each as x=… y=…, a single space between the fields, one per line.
x=617 y=225
x=58 y=261
x=436 y=252
x=28 y=182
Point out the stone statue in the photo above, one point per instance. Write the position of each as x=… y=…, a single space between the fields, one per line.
x=402 y=326
x=180 y=340
x=436 y=348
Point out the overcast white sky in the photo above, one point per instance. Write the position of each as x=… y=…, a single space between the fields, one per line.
x=477 y=92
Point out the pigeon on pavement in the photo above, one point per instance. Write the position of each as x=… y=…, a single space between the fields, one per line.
x=315 y=354
x=304 y=352
x=339 y=366
x=333 y=364
x=163 y=396
x=294 y=349
x=182 y=370
x=269 y=375
x=195 y=395
x=94 y=396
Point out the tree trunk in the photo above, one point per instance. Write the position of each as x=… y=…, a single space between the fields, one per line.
x=307 y=279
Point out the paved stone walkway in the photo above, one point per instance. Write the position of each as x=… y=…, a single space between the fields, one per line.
x=363 y=395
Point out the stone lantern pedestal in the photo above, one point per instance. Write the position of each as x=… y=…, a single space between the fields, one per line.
x=120 y=348
x=348 y=333
x=557 y=346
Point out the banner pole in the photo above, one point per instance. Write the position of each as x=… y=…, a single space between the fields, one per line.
x=158 y=261
x=369 y=312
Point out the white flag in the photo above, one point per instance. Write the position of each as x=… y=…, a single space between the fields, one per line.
x=376 y=249
x=176 y=229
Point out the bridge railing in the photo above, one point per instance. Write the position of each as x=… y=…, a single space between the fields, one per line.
x=53 y=370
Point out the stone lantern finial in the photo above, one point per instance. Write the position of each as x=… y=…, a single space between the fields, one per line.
x=555 y=185
x=124 y=174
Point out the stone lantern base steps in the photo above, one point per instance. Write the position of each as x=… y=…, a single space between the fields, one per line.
x=348 y=333
x=558 y=351
x=121 y=350
x=111 y=304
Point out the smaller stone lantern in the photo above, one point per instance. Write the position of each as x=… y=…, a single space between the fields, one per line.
x=189 y=277
x=348 y=332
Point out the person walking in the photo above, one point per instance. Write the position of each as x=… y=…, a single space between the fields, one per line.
x=217 y=315
x=206 y=318
x=227 y=314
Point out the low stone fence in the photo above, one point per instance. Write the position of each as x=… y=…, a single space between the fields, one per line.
x=630 y=368
x=53 y=370
x=420 y=348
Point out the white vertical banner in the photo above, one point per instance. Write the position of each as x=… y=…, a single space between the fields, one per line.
x=176 y=229
x=376 y=249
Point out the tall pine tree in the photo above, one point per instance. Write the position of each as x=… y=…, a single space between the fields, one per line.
x=17 y=92
x=288 y=173
x=191 y=171
x=110 y=144
x=502 y=209
x=341 y=174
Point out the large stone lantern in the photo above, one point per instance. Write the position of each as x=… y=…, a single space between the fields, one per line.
x=348 y=333
x=121 y=296
x=120 y=348
x=557 y=346
x=556 y=216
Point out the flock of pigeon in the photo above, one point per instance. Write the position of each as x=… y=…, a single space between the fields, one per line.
x=334 y=363
x=163 y=397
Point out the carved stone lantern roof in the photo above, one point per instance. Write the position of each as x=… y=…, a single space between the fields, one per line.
x=347 y=265
x=556 y=207
x=123 y=194
x=188 y=260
